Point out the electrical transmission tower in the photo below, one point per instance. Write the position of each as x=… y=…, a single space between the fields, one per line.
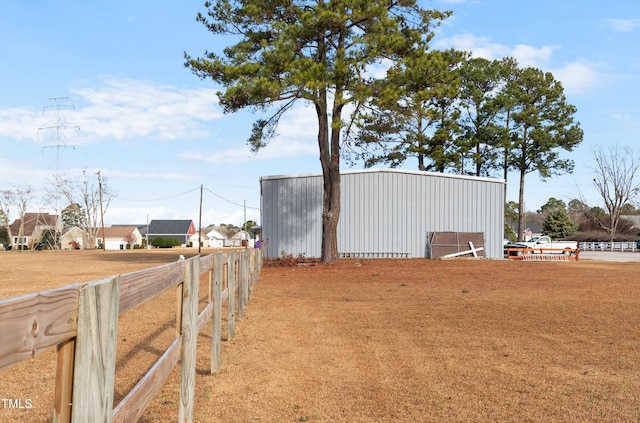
x=59 y=126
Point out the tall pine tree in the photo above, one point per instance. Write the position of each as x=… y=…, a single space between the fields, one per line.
x=320 y=52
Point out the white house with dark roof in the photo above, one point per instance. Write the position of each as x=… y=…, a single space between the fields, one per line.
x=180 y=229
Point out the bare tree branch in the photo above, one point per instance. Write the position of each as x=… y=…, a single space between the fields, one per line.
x=615 y=179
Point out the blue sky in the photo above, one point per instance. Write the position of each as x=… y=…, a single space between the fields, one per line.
x=155 y=131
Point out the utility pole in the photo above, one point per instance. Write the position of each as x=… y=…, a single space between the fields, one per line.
x=104 y=241
x=244 y=225
x=200 y=224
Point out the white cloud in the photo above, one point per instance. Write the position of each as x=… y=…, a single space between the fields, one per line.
x=296 y=136
x=279 y=148
x=139 y=215
x=378 y=70
x=154 y=176
x=301 y=122
x=532 y=56
x=118 y=110
x=235 y=217
x=20 y=123
x=577 y=77
x=483 y=47
x=17 y=174
x=623 y=117
x=124 y=109
x=477 y=46
x=622 y=25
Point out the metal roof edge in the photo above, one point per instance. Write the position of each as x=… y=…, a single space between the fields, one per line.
x=387 y=170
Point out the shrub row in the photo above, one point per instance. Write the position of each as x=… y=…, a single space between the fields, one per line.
x=161 y=242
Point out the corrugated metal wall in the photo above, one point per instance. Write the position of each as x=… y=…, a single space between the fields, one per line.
x=383 y=212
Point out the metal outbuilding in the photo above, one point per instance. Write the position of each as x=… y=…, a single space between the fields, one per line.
x=384 y=212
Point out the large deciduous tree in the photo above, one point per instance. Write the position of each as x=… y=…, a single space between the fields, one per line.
x=320 y=52
x=543 y=125
x=18 y=198
x=89 y=197
x=615 y=179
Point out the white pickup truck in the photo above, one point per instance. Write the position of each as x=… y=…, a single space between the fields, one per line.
x=546 y=245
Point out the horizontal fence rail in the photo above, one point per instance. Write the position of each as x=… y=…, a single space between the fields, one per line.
x=81 y=321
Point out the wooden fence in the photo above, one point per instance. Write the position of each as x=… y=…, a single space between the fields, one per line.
x=81 y=321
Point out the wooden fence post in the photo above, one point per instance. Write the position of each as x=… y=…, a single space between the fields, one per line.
x=179 y=308
x=246 y=275
x=252 y=271
x=231 y=303
x=64 y=381
x=189 y=330
x=216 y=318
x=95 y=354
x=242 y=284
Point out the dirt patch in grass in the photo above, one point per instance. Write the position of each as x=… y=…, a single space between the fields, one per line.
x=377 y=340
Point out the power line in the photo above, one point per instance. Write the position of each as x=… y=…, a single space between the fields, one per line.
x=188 y=192
x=159 y=199
x=231 y=202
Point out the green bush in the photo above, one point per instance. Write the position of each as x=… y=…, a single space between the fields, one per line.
x=172 y=242
x=158 y=242
x=161 y=242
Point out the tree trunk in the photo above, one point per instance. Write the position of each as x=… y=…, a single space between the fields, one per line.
x=521 y=209
x=421 y=161
x=330 y=214
x=330 y=162
x=478 y=160
x=506 y=157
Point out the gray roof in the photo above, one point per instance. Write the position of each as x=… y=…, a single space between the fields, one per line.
x=142 y=227
x=171 y=227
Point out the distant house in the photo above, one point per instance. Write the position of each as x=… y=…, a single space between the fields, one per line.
x=142 y=228
x=216 y=239
x=74 y=239
x=116 y=238
x=119 y=237
x=35 y=229
x=243 y=239
x=210 y=239
x=180 y=229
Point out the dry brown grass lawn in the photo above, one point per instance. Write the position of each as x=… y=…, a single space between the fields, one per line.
x=378 y=340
